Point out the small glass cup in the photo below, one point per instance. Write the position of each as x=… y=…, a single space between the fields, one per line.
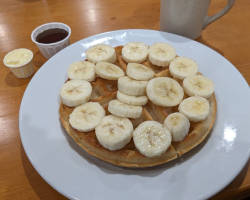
x=20 y=62
x=48 y=50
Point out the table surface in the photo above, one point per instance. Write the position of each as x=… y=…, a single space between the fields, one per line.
x=230 y=36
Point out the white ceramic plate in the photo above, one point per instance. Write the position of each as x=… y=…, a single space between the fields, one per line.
x=198 y=175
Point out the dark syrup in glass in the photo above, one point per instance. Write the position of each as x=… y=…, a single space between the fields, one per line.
x=52 y=35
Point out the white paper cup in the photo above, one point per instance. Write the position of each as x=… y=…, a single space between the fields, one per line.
x=50 y=49
x=20 y=62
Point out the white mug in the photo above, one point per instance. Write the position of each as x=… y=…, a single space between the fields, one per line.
x=187 y=17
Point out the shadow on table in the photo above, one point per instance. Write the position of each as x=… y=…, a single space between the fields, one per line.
x=13 y=81
x=39 y=60
x=203 y=41
x=41 y=188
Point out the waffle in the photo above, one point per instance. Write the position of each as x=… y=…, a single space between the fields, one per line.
x=129 y=156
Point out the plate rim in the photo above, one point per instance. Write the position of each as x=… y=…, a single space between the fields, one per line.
x=232 y=177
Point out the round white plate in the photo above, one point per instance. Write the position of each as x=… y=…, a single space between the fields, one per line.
x=198 y=175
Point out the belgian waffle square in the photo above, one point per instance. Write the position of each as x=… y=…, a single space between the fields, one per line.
x=129 y=156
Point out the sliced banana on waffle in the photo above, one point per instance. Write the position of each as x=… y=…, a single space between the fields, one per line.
x=151 y=138
x=108 y=71
x=86 y=117
x=132 y=100
x=101 y=52
x=75 y=92
x=135 y=52
x=182 y=67
x=195 y=108
x=198 y=85
x=164 y=91
x=124 y=110
x=132 y=87
x=113 y=132
x=161 y=54
x=178 y=125
x=82 y=70
x=139 y=72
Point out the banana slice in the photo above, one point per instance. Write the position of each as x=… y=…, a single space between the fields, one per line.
x=101 y=52
x=86 y=117
x=178 y=125
x=135 y=52
x=195 y=108
x=161 y=54
x=198 y=85
x=108 y=71
x=75 y=92
x=113 y=132
x=132 y=87
x=139 y=72
x=124 y=110
x=151 y=138
x=164 y=91
x=182 y=67
x=132 y=100
x=82 y=70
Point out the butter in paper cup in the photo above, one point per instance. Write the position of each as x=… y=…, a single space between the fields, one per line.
x=20 y=62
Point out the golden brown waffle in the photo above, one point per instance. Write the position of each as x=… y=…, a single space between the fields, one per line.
x=103 y=92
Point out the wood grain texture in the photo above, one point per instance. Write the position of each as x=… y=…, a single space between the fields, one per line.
x=230 y=36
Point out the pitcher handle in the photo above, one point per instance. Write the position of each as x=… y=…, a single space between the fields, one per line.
x=210 y=19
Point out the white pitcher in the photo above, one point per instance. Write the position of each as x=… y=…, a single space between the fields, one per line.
x=188 y=17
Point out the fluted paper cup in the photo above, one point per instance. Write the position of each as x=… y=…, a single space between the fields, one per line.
x=48 y=50
x=20 y=66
